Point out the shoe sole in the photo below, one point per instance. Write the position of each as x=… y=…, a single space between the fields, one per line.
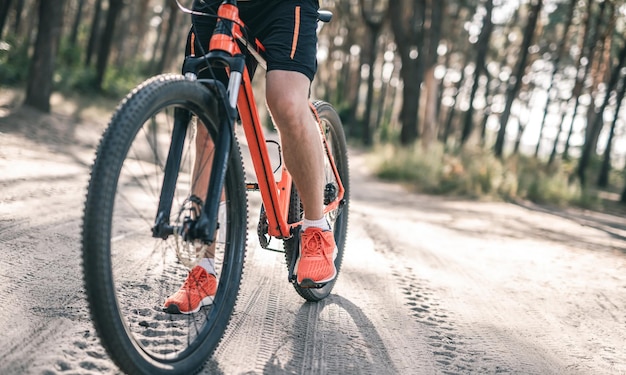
x=174 y=309
x=311 y=284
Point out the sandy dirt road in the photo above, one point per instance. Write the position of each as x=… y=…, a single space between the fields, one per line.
x=429 y=285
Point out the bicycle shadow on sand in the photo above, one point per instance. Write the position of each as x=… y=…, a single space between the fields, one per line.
x=336 y=346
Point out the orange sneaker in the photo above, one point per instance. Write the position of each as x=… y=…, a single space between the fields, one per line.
x=199 y=290
x=316 y=262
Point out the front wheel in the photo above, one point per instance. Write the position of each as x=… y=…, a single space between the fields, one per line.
x=338 y=219
x=146 y=167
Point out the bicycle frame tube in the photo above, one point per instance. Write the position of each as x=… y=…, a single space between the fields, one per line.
x=275 y=198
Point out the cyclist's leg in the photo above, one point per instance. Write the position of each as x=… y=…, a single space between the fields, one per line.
x=291 y=68
x=288 y=100
x=202 y=172
x=289 y=34
x=287 y=97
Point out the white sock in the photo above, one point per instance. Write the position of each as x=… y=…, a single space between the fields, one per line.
x=208 y=264
x=320 y=223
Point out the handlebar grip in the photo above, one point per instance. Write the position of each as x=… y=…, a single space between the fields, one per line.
x=324 y=15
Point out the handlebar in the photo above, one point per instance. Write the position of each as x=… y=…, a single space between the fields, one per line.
x=324 y=15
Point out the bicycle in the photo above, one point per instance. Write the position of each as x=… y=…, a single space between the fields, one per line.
x=142 y=228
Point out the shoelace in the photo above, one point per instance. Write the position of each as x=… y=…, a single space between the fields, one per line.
x=314 y=245
x=195 y=279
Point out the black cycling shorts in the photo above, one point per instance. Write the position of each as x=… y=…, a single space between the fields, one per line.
x=286 y=28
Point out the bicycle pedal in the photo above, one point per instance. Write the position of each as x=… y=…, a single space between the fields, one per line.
x=310 y=284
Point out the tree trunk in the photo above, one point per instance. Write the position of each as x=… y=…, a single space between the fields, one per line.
x=140 y=27
x=429 y=133
x=596 y=127
x=495 y=86
x=584 y=48
x=39 y=85
x=410 y=102
x=159 y=31
x=387 y=72
x=555 y=144
x=121 y=41
x=373 y=23
x=522 y=123
x=519 y=74
x=166 y=51
x=408 y=30
x=94 y=34
x=115 y=6
x=17 y=22
x=448 y=123
x=343 y=89
x=481 y=53
x=4 y=14
x=351 y=82
x=521 y=126
x=452 y=12
x=603 y=178
x=555 y=69
x=487 y=111
x=77 y=19
x=367 y=127
x=600 y=61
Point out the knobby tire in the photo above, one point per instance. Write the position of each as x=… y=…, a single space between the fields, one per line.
x=127 y=273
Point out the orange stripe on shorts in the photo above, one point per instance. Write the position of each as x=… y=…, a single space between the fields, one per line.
x=296 y=31
x=193 y=44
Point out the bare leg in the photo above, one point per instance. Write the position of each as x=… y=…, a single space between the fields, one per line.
x=202 y=165
x=288 y=100
x=205 y=149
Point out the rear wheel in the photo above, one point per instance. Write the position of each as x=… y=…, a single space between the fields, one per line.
x=338 y=219
x=128 y=272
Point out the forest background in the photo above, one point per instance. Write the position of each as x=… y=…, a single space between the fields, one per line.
x=509 y=99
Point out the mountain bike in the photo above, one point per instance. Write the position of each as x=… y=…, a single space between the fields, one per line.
x=142 y=228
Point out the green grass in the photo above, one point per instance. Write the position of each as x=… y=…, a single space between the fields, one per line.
x=476 y=174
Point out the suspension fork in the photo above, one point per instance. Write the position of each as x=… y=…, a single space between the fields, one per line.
x=162 y=228
x=206 y=226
